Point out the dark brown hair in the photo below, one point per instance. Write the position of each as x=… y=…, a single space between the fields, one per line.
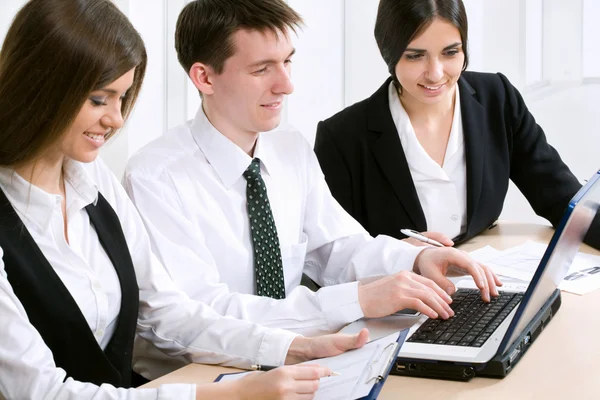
x=57 y=52
x=398 y=22
x=205 y=27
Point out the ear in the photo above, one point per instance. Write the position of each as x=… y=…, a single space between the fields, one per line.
x=201 y=76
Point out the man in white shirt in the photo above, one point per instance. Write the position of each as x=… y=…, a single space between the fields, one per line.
x=194 y=189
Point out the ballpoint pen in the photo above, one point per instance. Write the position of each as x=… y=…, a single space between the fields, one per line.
x=258 y=367
x=419 y=236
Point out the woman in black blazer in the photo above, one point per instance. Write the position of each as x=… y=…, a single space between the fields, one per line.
x=371 y=165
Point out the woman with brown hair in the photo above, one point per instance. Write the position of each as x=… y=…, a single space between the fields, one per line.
x=78 y=282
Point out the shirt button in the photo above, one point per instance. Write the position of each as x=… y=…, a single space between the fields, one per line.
x=96 y=286
x=454 y=217
x=99 y=333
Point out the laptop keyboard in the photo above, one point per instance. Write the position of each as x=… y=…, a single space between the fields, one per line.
x=474 y=320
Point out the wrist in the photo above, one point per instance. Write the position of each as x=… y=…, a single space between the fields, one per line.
x=233 y=390
x=416 y=264
x=362 y=300
x=298 y=351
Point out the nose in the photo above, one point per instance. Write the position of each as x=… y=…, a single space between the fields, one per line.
x=113 y=118
x=435 y=70
x=283 y=81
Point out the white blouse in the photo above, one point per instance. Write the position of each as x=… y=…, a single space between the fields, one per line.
x=442 y=191
x=167 y=318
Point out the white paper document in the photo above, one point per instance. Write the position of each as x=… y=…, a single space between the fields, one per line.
x=520 y=263
x=360 y=370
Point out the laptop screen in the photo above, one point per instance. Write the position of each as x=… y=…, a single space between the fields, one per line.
x=557 y=259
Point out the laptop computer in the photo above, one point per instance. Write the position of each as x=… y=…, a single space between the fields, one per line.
x=488 y=339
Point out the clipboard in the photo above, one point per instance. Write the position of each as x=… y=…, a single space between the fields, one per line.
x=390 y=356
x=375 y=372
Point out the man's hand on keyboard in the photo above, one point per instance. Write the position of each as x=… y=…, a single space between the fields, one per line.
x=434 y=262
x=402 y=290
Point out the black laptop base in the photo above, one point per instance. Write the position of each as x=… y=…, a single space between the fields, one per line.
x=497 y=367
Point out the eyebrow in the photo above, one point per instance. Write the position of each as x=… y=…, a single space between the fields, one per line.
x=269 y=61
x=110 y=91
x=452 y=46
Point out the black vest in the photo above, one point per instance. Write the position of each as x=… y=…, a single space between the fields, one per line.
x=52 y=310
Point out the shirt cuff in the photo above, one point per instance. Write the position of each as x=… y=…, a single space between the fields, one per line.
x=339 y=304
x=274 y=347
x=408 y=257
x=176 y=392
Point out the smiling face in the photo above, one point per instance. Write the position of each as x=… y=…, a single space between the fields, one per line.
x=99 y=115
x=431 y=64
x=247 y=96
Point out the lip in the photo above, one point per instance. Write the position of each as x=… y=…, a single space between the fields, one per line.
x=94 y=142
x=432 y=90
x=273 y=106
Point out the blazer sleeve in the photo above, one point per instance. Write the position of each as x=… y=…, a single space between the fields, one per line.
x=335 y=168
x=536 y=167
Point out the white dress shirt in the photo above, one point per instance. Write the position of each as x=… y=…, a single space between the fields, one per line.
x=167 y=317
x=189 y=188
x=442 y=191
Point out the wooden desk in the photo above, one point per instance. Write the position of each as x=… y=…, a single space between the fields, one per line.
x=558 y=365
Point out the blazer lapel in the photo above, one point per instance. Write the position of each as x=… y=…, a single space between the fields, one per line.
x=389 y=154
x=475 y=146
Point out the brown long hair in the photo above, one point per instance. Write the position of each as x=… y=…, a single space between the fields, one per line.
x=57 y=52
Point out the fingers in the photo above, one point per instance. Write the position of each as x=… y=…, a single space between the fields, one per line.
x=432 y=300
x=491 y=279
x=478 y=273
x=362 y=338
x=420 y=306
x=302 y=380
x=438 y=282
x=309 y=371
x=427 y=297
x=440 y=237
x=356 y=341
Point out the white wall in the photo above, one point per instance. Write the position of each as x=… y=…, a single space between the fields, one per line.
x=566 y=38
x=149 y=117
x=591 y=33
x=364 y=70
x=534 y=44
x=318 y=65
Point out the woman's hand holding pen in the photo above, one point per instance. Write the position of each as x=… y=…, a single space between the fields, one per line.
x=291 y=382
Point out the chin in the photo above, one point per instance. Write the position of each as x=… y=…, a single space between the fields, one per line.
x=270 y=125
x=85 y=157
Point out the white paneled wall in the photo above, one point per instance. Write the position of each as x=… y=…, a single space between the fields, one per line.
x=149 y=118
x=591 y=33
x=318 y=65
x=534 y=45
x=364 y=69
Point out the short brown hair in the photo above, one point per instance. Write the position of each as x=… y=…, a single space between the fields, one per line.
x=398 y=22
x=205 y=27
x=57 y=52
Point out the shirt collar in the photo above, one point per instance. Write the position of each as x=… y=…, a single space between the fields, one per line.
x=416 y=157
x=37 y=205
x=226 y=158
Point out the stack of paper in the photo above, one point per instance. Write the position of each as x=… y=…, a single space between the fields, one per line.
x=520 y=262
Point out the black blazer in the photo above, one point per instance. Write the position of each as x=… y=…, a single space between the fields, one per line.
x=364 y=164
